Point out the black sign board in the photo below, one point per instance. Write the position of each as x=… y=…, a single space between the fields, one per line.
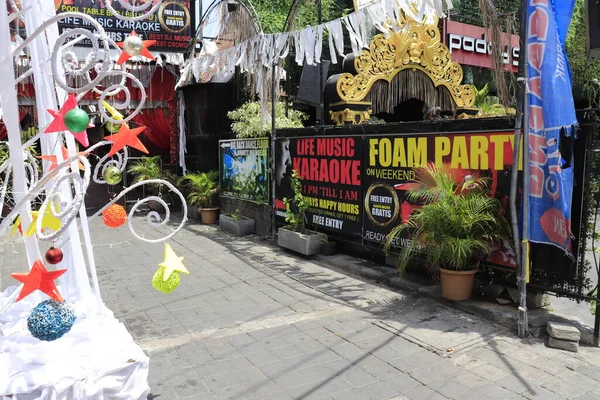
x=172 y=25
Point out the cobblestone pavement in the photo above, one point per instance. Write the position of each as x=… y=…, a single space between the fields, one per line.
x=254 y=322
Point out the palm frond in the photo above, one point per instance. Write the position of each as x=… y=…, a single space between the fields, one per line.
x=458 y=222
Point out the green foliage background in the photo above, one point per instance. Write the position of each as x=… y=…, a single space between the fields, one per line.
x=272 y=13
x=248 y=122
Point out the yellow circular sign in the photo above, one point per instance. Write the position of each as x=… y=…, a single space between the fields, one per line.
x=381 y=204
x=174 y=16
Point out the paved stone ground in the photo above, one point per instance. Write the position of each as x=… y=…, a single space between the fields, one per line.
x=254 y=322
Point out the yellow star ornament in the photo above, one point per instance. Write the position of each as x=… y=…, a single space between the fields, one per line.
x=48 y=221
x=16 y=226
x=172 y=263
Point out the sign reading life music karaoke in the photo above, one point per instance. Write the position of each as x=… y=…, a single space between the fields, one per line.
x=331 y=171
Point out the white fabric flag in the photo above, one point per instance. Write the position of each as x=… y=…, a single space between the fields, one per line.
x=353 y=28
x=319 y=43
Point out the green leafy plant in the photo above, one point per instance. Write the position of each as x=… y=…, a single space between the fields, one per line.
x=4 y=156
x=457 y=224
x=236 y=215
x=481 y=94
x=490 y=106
x=296 y=207
x=248 y=184
x=150 y=168
x=248 y=121
x=273 y=13
x=202 y=188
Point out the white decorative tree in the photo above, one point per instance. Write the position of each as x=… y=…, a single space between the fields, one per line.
x=98 y=348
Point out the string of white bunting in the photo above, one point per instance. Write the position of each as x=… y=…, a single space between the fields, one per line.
x=264 y=49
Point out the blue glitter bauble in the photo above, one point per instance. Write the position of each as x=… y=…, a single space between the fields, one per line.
x=50 y=320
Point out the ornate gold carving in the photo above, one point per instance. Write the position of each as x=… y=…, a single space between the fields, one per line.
x=415 y=46
x=348 y=116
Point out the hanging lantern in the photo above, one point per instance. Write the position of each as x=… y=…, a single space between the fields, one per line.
x=77 y=120
x=112 y=175
x=165 y=286
x=114 y=216
x=54 y=255
x=133 y=45
x=50 y=320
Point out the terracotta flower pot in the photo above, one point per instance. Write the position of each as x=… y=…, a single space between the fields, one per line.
x=209 y=215
x=457 y=285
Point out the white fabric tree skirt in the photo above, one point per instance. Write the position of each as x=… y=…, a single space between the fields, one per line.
x=96 y=359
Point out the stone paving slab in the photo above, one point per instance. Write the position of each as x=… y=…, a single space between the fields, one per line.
x=254 y=322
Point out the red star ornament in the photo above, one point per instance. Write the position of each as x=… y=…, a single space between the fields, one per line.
x=39 y=278
x=144 y=52
x=58 y=124
x=65 y=154
x=126 y=137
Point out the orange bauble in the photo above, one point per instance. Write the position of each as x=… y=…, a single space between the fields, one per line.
x=114 y=216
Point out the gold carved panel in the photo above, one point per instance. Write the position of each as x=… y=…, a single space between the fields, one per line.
x=415 y=46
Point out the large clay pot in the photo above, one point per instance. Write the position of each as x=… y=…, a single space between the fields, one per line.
x=457 y=285
x=209 y=215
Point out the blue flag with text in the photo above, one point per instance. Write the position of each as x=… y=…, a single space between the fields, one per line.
x=552 y=122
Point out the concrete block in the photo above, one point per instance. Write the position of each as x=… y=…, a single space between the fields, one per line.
x=563 y=331
x=563 y=344
x=307 y=244
x=534 y=299
x=240 y=227
x=513 y=293
x=391 y=259
x=492 y=291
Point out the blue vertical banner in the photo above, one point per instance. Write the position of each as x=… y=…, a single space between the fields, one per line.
x=552 y=122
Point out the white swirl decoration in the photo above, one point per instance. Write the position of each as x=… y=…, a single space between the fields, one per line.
x=147 y=9
x=68 y=58
x=153 y=218
x=70 y=64
x=68 y=210
x=120 y=161
x=116 y=89
x=65 y=175
x=32 y=170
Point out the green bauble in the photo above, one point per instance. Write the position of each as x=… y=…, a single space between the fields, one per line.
x=112 y=127
x=112 y=175
x=77 y=120
x=165 y=286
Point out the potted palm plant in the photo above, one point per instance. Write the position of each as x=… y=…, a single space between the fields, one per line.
x=150 y=168
x=453 y=230
x=202 y=189
x=295 y=236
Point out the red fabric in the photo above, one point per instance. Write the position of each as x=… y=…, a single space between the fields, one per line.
x=161 y=88
x=4 y=131
x=158 y=127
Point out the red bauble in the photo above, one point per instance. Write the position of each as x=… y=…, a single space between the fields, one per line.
x=114 y=216
x=54 y=255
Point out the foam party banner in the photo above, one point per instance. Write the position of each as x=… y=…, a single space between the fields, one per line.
x=552 y=123
x=390 y=163
x=171 y=25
